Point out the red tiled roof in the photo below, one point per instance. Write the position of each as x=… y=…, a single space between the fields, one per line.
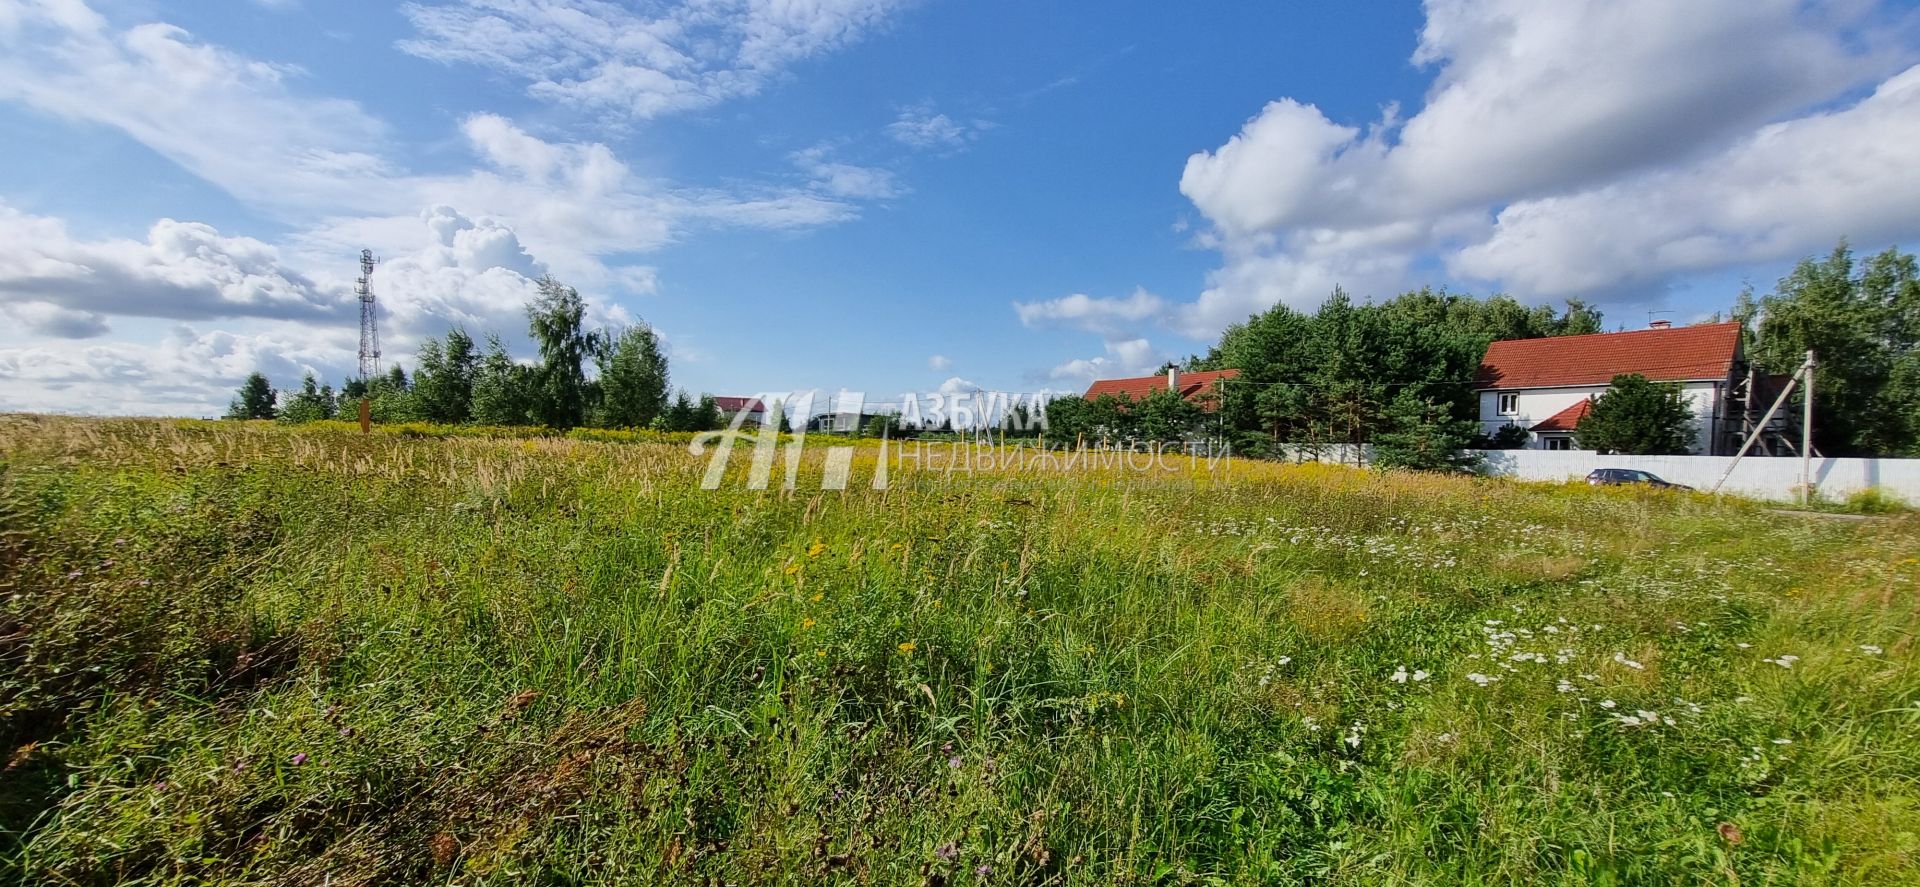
x=1565 y=420
x=1685 y=353
x=1192 y=385
x=736 y=404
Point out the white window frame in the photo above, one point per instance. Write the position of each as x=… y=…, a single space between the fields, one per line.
x=1558 y=442
x=1507 y=403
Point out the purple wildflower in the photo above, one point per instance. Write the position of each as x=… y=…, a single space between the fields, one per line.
x=983 y=870
x=947 y=851
x=954 y=762
x=299 y=758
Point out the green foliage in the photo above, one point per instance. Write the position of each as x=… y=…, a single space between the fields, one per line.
x=314 y=403
x=1638 y=417
x=1423 y=436
x=883 y=426
x=443 y=385
x=1164 y=416
x=1862 y=320
x=1873 y=500
x=1507 y=437
x=1330 y=377
x=1066 y=420
x=503 y=390
x=707 y=416
x=255 y=399
x=256 y=654
x=633 y=379
x=555 y=320
x=681 y=415
x=1020 y=420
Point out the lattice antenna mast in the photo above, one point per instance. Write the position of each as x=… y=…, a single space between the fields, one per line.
x=369 y=319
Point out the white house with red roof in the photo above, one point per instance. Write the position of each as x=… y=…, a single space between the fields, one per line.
x=756 y=412
x=1546 y=385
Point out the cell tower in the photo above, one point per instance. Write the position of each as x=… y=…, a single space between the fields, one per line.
x=369 y=319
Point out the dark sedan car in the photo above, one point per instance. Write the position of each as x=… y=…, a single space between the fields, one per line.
x=1605 y=477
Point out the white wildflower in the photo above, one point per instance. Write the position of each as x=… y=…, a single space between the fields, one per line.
x=1399 y=675
x=1607 y=703
x=1623 y=660
x=1419 y=676
x=1480 y=679
x=1871 y=650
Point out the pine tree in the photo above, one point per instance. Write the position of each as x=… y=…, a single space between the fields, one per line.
x=1423 y=435
x=255 y=399
x=707 y=415
x=681 y=416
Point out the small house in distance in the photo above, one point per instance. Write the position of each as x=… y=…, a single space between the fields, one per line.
x=1546 y=385
x=730 y=407
x=1202 y=388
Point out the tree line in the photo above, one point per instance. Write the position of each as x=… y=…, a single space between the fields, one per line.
x=1397 y=374
x=601 y=378
x=1400 y=374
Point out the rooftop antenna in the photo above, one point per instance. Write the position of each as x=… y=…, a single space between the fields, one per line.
x=369 y=319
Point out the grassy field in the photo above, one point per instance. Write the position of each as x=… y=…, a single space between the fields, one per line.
x=238 y=654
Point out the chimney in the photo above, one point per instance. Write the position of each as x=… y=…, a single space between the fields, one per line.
x=1660 y=325
x=1173 y=379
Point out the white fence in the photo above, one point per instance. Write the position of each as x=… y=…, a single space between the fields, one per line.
x=1759 y=477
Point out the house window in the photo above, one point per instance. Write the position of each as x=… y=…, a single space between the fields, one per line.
x=1509 y=404
x=1558 y=443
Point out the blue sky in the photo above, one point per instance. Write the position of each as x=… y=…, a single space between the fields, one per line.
x=889 y=196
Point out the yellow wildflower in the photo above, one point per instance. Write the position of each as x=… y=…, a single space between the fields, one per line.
x=906 y=646
x=817 y=548
x=808 y=623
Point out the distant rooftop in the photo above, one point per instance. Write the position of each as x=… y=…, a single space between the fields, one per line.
x=1192 y=385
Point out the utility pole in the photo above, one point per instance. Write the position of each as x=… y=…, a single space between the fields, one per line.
x=1806 y=436
x=1802 y=375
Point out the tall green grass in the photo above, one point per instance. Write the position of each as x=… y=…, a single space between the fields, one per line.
x=248 y=654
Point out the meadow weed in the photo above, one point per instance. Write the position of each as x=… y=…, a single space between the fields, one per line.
x=243 y=653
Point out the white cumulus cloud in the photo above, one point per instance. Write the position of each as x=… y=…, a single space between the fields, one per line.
x=1568 y=148
x=181 y=271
